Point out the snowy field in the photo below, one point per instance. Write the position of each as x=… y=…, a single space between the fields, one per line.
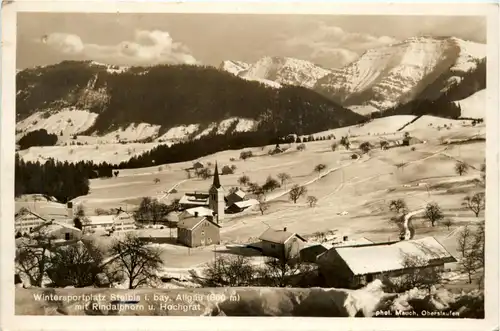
x=360 y=189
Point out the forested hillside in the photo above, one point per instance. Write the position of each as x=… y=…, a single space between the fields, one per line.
x=172 y=95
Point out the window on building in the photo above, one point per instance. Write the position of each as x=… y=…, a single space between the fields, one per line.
x=67 y=236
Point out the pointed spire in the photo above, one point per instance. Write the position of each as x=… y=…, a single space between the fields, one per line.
x=216 y=182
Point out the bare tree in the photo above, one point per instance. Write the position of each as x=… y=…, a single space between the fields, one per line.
x=433 y=213
x=334 y=146
x=151 y=210
x=156 y=180
x=319 y=168
x=244 y=180
x=256 y=189
x=263 y=205
x=472 y=249
x=76 y=265
x=271 y=184
x=204 y=173
x=139 y=262
x=448 y=222
x=365 y=147
x=461 y=168
x=418 y=274
x=475 y=203
x=399 y=206
x=301 y=147
x=296 y=192
x=344 y=141
x=384 y=144
x=312 y=201
x=188 y=173
x=245 y=155
x=284 y=178
x=229 y=271
x=33 y=257
x=283 y=271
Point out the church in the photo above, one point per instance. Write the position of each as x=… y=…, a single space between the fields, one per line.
x=200 y=203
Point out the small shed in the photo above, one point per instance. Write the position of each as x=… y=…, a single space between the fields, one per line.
x=198 y=231
x=281 y=243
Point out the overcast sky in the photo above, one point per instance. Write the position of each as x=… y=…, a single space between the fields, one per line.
x=145 y=39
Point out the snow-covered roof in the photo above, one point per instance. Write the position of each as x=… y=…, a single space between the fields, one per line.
x=101 y=219
x=380 y=258
x=191 y=223
x=246 y=203
x=278 y=236
x=194 y=199
x=199 y=211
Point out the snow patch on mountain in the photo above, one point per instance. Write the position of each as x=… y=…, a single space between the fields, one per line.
x=179 y=132
x=133 y=132
x=364 y=110
x=277 y=71
x=245 y=125
x=110 y=153
x=470 y=52
x=474 y=106
x=234 y=67
x=69 y=121
x=111 y=68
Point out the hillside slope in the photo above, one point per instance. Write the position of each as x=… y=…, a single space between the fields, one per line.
x=92 y=99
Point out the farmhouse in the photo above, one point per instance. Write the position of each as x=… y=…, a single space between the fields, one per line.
x=121 y=221
x=281 y=243
x=236 y=196
x=196 y=199
x=239 y=206
x=198 y=231
x=59 y=231
x=355 y=266
x=25 y=221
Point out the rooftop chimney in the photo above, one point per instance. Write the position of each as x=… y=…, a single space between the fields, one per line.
x=195 y=214
x=284 y=229
x=346 y=238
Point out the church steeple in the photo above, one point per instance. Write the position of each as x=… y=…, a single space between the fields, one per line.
x=216 y=182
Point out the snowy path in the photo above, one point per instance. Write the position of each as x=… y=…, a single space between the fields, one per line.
x=166 y=195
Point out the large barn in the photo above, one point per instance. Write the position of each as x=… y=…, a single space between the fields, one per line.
x=355 y=266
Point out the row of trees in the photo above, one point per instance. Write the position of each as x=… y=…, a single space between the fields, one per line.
x=61 y=180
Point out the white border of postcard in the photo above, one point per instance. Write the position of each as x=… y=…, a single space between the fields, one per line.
x=8 y=321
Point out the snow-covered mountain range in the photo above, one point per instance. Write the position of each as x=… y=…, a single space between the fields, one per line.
x=276 y=71
x=380 y=78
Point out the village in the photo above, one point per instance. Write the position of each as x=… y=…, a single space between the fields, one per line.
x=225 y=215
